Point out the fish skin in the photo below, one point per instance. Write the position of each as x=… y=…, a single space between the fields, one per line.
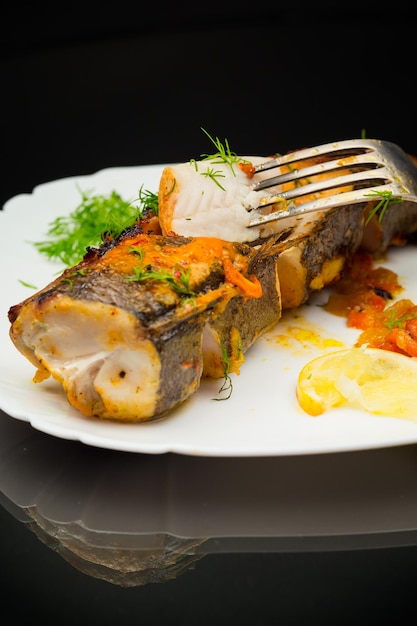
x=244 y=320
x=313 y=257
x=93 y=329
x=397 y=227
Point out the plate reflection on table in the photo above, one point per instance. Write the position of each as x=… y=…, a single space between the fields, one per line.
x=133 y=519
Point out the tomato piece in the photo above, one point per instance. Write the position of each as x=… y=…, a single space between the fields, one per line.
x=361 y=296
x=404 y=341
x=411 y=327
x=367 y=318
x=375 y=337
x=384 y=279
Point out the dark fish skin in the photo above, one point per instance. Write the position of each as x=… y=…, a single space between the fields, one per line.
x=168 y=325
x=244 y=320
x=313 y=258
x=397 y=226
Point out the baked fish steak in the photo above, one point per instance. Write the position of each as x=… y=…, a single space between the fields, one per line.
x=132 y=329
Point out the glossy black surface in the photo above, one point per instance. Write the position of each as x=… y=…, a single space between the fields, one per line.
x=118 y=87
x=262 y=539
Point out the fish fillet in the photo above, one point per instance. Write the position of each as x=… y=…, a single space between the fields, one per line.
x=130 y=331
x=201 y=198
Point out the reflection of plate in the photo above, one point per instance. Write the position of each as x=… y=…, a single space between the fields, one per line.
x=132 y=518
x=261 y=418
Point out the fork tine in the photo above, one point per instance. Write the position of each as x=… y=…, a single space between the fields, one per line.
x=361 y=168
x=333 y=150
x=368 y=178
x=358 y=161
x=320 y=204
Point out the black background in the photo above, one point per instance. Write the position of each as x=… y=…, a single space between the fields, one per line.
x=87 y=88
x=82 y=91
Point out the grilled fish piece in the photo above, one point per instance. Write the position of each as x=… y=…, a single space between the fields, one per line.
x=204 y=198
x=123 y=331
x=210 y=197
x=312 y=249
x=216 y=199
x=244 y=319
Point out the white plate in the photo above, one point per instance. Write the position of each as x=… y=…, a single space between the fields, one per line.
x=262 y=417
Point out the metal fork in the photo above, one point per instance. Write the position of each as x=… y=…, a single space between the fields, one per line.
x=357 y=170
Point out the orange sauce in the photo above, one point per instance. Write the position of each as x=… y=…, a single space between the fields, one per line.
x=198 y=255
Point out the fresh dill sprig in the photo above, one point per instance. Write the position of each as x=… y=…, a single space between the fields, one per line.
x=214 y=175
x=95 y=218
x=227 y=382
x=72 y=276
x=223 y=154
x=386 y=198
x=226 y=386
x=148 y=200
x=139 y=250
x=178 y=280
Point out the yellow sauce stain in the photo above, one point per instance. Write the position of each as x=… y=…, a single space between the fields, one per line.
x=303 y=335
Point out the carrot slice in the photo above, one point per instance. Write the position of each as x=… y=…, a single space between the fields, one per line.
x=250 y=287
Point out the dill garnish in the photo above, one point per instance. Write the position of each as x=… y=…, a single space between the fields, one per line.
x=398 y=322
x=223 y=154
x=386 y=198
x=178 y=279
x=214 y=175
x=96 y=217
x=227 y=385
x=25 y=284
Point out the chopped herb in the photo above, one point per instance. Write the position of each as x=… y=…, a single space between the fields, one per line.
x=139 y=250
x=178 y=279
x=223 y=154
x=25 y=284
x=96 y=217
x=214 y=175
x=227 y=383
x=398 y=322
x=386 y=198
x=226 y=386
x=174 y=184
x=70 y=282
x=298 y=182
x=149 y=200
